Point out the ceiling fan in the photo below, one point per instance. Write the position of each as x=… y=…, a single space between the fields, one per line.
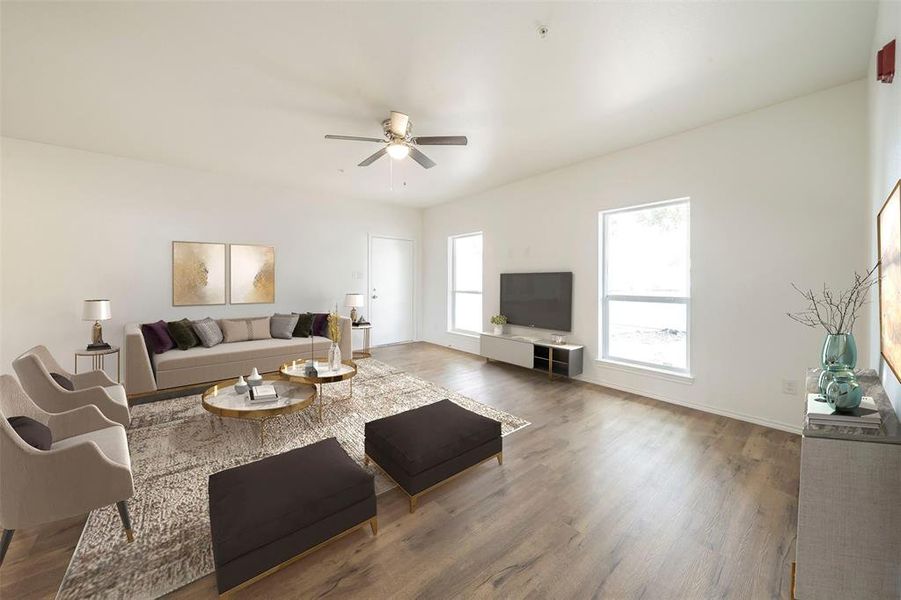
x=400 y=142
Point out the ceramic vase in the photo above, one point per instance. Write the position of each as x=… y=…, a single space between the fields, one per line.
x=254 y=378
x=839 y=358
x=240 y=385
x=498 y=330
x=843 y=393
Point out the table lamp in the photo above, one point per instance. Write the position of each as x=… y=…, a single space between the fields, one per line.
x=353 y=301
x=97 y=310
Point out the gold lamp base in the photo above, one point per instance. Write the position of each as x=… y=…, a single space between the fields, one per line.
x=97 y=342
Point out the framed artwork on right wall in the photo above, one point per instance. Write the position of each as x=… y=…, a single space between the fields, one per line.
x=888 y=234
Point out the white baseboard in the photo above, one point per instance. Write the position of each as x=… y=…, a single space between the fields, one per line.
x=796 y=429
x=697 y=406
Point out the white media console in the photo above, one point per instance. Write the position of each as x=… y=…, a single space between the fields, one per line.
x=533 y=353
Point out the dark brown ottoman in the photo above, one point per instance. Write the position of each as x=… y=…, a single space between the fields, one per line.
x=427 y=446
x=267 y=514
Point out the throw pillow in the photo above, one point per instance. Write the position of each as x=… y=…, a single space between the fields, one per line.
x=183 y=334
x=282 y=326
x=157 y=336
x=63 y=382
x=320 y=324
x=304 y=326
x=208 y=332
x=34 y=433
x=242 y=330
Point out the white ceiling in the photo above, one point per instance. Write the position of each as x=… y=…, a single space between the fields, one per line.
x=251 y=88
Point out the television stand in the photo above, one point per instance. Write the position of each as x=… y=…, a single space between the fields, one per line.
x=560 y=360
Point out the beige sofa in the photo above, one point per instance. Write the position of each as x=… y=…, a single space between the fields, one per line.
x=145 y=373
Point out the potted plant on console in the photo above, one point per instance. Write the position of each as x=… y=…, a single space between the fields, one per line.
x=836 y=312
x=499 y=321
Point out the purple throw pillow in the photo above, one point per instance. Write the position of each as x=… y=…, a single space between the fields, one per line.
x=320 y=324
x=158 y=337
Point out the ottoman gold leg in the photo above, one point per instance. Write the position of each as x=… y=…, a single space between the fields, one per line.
x=374 y=525
x=500 y=458
x=414 y=501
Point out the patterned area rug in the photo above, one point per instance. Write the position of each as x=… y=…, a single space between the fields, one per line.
x=176 y=444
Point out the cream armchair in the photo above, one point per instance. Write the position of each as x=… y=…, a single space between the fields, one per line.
x=86 y=467
x=34 y=368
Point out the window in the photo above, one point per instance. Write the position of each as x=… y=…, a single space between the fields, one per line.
x=465 y=268
x=645 y=287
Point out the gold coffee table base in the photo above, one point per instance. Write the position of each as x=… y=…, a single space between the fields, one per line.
x=293 y=371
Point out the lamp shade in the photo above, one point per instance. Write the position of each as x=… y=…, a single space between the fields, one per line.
x=353 y=300
x=96 y=310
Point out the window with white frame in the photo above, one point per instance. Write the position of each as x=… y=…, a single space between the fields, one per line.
x=645 y=295
x=465 y=283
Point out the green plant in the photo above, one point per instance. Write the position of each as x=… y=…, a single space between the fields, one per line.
x=498 y=320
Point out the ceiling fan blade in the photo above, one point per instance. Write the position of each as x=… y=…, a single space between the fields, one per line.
x=442 y=140
x=373 y=158
x=399 y=122
x=421 y=158
x=353 y=138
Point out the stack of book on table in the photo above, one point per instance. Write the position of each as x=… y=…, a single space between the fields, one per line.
x=865 y=416
x=263 y=393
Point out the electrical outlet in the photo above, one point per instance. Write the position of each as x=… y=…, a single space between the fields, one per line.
x=790 y=387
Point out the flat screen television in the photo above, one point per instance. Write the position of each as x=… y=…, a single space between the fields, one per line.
x=542 y=300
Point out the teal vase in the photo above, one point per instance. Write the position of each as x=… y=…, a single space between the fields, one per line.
x=839 y=358
x=843 y=393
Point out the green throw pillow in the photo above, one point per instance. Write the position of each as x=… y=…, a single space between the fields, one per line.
x=304 y=325
x=183 y=334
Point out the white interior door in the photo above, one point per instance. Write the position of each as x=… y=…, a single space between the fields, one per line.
x=391 y=290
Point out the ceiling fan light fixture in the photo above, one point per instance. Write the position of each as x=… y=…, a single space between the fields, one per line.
x=398 y=151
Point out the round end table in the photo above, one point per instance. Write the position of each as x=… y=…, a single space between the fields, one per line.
x=294 y=371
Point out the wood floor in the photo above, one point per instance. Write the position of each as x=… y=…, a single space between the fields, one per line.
x=605 y=495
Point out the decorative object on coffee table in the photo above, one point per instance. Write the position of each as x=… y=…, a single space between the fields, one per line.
x=889 y=234
x=836 y=312
x=224 y=400
x=198 y=273
x=97 y=310
x=498 y=321
x=252 y=274
x=347 y=370
x=270 y=513
x=423 y=448
x=241 y=385
x=334 y=334
x=353 y=301
x=254 y=378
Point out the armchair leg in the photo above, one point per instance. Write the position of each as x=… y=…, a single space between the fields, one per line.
x=4 y=542
x=126 y=520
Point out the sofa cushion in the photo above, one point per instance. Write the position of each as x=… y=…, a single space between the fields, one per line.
x=208 y=332
x=34 y=433
x=260 y=502
x=241 y=330
x=282 y=326
x=239 y=351
x=183 y=334
x=157 y=337
x=320 y=324
x=304 y=327
x=424 y=437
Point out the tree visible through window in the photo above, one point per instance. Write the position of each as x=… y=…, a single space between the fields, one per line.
x=465 y=258
x=645 y=285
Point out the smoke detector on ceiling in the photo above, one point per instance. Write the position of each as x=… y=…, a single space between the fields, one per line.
x=542 y=32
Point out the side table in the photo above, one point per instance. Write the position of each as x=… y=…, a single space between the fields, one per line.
x=97 y=358
x=365 y=352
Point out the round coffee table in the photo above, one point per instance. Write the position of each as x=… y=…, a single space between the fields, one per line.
x=224 y=401
x=294 y=372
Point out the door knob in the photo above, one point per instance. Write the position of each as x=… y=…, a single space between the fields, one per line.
x=374 y=297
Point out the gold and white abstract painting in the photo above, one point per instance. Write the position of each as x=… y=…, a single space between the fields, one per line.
x=889 y=232
x=198 y=273
x=252 y=274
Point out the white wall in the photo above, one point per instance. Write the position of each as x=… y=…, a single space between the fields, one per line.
x=885 y=164
x=776 y=197
x=79 y=225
